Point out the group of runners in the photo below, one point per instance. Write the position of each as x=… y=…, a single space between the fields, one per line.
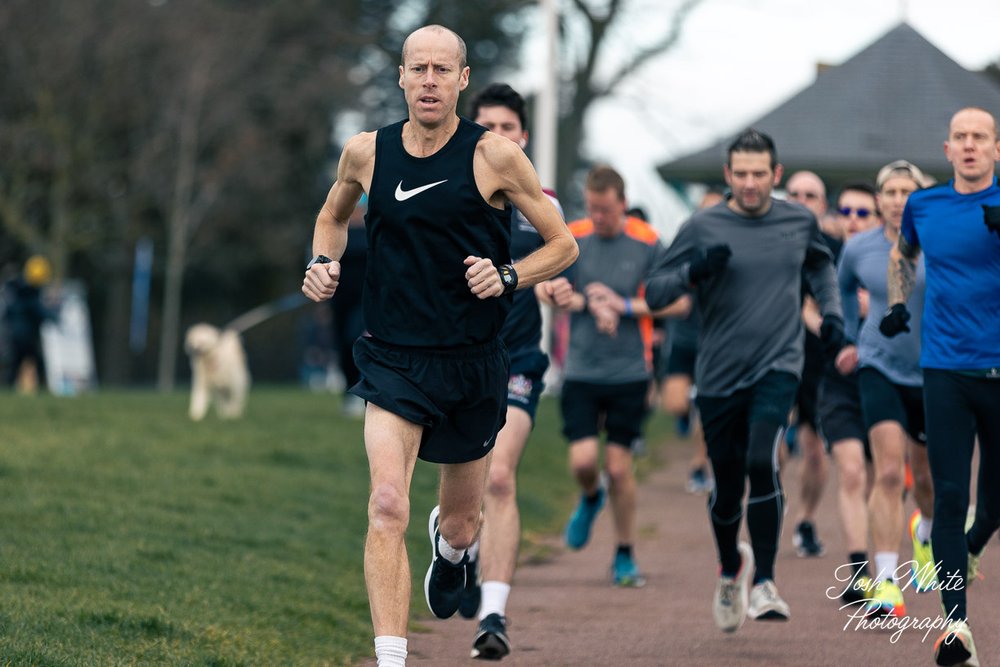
x=463 y=243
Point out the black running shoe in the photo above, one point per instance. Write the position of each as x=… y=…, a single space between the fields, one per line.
x=806 y=542
x=491 y=641
x=469 y=606
x=444 y=582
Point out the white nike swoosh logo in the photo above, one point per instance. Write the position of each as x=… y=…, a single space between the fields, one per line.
x=403 y=195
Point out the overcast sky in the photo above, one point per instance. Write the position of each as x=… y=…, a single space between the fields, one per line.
x=738 y=59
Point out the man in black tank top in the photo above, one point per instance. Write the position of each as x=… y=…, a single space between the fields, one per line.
x=438 y=288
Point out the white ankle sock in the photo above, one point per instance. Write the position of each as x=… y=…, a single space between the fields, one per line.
x=448 y=552
x=885 y=565
x=390 y=651
x=494 y=600
x=474 y=550
x=924 y=529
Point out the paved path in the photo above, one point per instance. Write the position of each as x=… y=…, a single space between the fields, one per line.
x=564 y=612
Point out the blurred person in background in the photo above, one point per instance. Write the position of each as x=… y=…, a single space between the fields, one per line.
x=743 y=262
x=23 y=316
x=492 y=560
x=890 y=384
x=609 y=365
x=808 y=189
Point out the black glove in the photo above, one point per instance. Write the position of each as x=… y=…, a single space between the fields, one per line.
x=831 y=335
x=991 y=216
x=711 y=263
x=894 y=321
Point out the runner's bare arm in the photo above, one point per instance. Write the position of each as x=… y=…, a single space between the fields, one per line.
x=902 y=270
x=354 y=173
x=503 y=171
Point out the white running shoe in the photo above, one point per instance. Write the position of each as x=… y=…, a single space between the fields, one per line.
x=766 y=604
x=732 y=593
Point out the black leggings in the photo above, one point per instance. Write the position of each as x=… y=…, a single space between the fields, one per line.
x=743 y=432
x=958 y=407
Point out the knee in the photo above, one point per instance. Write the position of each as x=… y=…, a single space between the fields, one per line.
x=922 y=479
x=852 y=480
x=501 y=484
x=725 y=507
x=890 y=477
x=388 y=509
x=676 y=403
x=812 y=449
x=619 y=471
x=985 y=512
x=583 y=466
x=460 y=530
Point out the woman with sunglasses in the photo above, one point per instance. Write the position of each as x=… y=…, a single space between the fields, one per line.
x=891 y=386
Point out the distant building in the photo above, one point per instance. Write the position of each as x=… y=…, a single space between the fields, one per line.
x=892 y=100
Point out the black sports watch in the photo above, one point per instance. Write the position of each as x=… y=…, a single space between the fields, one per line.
x=508 y=276
x=318 y=259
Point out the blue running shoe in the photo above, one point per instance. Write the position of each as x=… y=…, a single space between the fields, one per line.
x=625 y=573
x=683 y=425
x=699 y=481
x=578 y=528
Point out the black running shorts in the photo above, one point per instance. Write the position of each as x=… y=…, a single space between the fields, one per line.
x=839 y=409
x=524 y=386
x=618 y=409
x=459 y=395
x=882 y=400
x=682 y=359
x=812 y=371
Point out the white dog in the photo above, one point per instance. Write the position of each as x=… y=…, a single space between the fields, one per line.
x=219 y=371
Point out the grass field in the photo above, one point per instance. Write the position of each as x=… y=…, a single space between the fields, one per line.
x=131 y=536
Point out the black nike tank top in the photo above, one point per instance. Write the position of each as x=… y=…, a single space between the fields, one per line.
x=425 y=216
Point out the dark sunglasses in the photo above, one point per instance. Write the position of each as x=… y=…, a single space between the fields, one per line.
x=861 y=212
x=806 y=195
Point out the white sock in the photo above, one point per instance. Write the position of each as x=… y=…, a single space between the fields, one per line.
x=924 y=529
x=474 y=550
x=448 y=552
x=885 y=565
x=390 y=651
x=494 y=600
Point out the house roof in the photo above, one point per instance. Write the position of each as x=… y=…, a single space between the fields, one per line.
x=892 y=100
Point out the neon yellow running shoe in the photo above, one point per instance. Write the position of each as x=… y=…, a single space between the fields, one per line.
x=923 y=566
x=887 y=600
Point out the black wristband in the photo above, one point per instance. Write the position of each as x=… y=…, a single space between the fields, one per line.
x=318 y=259
x=508 y=277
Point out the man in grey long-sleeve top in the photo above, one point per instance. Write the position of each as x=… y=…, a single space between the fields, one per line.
x=744 y=259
